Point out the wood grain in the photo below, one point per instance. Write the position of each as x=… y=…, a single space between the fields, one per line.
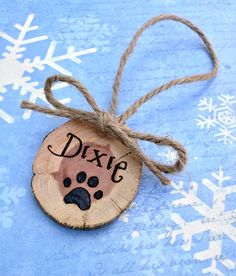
x=50 y=171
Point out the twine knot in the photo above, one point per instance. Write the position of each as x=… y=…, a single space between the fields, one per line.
x=104 y=120
x=108 y=124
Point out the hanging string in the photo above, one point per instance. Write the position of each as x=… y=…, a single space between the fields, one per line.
x=114 y=126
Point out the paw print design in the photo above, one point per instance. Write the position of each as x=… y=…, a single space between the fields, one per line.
x=82 y=182
x=80 y=196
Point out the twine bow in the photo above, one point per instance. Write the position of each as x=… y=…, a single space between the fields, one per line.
x=112 y=125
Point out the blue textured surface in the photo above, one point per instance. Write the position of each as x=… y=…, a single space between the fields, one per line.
x=200 y=115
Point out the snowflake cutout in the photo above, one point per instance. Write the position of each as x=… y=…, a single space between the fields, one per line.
x=8 y=197
x=213 y=219
x=17 y=69
x=221 y=116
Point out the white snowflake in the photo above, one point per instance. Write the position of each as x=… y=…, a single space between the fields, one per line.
x=16 y=69
x=124 y=217
x=8 y=197
x=213 y=219
x=220 y=115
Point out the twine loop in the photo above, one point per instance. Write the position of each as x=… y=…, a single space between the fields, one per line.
x=110 y=125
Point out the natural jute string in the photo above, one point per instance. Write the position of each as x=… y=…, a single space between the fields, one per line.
x=112 y=125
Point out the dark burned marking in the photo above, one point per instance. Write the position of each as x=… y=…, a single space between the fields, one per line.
x=109 y=163
x=80 y=197
x=85 y=151
x=93 y=181
x=100 y=159
x=67 y=182
x=97 y=157
x=81 y=176
x=62 y=154
x=117 y=167
x=98 y=194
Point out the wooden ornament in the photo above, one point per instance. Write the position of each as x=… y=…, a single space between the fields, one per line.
x=83 y=179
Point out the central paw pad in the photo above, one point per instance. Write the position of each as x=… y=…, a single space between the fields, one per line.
x=80 y=196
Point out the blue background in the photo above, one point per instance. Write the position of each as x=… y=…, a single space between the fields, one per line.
x=30 y=242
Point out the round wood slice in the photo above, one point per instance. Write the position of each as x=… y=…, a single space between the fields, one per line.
x=83 y=179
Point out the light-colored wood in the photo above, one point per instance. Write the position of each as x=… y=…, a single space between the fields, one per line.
x=50 y=173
